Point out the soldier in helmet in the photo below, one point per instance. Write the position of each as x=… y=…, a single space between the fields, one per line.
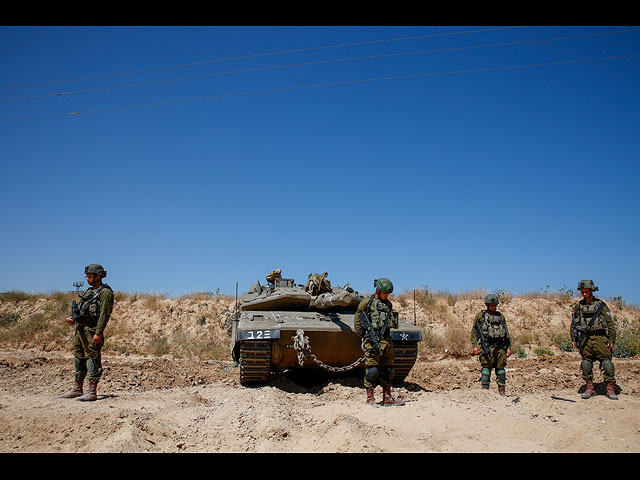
x=593 y=333
x=378 y=364
x=94 y=309
x=490 y=339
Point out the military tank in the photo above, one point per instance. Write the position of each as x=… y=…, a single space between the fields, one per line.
x=283 y=325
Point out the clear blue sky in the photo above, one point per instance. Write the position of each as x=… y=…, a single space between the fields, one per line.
x=458 y=173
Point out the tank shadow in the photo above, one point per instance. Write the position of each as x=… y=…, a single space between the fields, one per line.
x=313 y=381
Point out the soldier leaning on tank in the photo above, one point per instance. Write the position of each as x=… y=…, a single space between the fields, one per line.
x=597 y=337
x=96 y=303
x=494 y=328
x=379 y=366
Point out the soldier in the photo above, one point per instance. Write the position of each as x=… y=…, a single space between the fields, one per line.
x=593 y=333
x=94 y=310
x=379 y=364
x=490 y=330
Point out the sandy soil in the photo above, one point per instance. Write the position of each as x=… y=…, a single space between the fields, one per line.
x=162 y=404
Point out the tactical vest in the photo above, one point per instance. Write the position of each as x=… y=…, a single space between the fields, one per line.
x=379 y=312
x=493 y=327
x=89 y=304
x=584 y=316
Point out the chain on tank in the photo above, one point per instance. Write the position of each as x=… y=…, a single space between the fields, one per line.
x=303 y=348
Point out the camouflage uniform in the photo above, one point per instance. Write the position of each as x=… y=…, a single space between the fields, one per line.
x=379 y=366
x=494 y=328
x=596 y=333
x=87 y=356
x=93 y=312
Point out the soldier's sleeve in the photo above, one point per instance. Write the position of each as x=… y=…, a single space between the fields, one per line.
x=474 y=335
x=356 y=318
x=106 y=307
x=611 y=325
x=394 y=318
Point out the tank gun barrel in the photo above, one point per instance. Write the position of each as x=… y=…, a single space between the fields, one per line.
x=333 y=299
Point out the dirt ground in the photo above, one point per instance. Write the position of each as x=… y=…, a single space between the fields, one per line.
x=163 y=404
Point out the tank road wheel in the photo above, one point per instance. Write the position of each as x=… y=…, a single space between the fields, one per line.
x=255 y=362
x=405 y=355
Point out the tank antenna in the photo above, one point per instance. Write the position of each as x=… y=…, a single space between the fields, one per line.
x=236 y=313
x=414 y=305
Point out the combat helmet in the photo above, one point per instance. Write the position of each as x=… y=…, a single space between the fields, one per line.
x=587 y=284
x=95 y=268
x=384 y=285
x=491 y=298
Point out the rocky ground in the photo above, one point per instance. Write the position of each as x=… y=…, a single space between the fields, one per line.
x=166 y=404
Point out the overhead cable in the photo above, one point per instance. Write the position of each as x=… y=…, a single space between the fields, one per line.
x=318 y=62
x=244 y=57
x=327 y=84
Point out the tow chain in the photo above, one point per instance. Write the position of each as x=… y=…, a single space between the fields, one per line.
x=302 y=346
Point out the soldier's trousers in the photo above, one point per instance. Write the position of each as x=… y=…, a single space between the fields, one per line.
x=87 y=356
x=497 y=360
x=379 y=366
x=595 y=349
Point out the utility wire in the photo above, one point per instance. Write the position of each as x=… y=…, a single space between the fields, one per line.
x=304 y=64
x=244 y=57
x=347 y=82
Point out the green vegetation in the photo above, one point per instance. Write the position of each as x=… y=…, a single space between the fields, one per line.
x=562 y=341
x=543 y=352
x=627 y=345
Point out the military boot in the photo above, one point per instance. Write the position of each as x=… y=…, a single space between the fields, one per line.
x=76 y=391
x=91 y=394
x=589 y=390
x=611 y=391
x=501 y=390
x=387 y=399
x=370 y=398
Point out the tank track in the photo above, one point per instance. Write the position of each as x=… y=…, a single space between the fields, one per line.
x=255 y=362
x=405 y=355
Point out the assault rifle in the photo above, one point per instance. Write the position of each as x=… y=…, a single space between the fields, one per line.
x=483 y=341
x=369 y=332
x=76 y=313
x=580 y=336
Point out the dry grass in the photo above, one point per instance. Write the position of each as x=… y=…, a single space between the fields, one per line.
x=197 y=325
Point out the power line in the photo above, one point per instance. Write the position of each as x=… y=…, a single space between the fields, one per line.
x=245 y=57
x=369 y=57
x=346 y=82
x=318 y=62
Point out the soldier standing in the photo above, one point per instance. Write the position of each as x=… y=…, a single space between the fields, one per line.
x=593 y=333
x=379 y=363
x=94 y=310
x=490 y=331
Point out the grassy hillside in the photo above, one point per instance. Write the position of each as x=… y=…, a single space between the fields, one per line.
x=198 y=325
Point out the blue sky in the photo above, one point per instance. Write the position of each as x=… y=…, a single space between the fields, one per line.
x=443 y=168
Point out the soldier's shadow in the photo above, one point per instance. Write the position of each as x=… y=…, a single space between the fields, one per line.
x=600 y=388
x=413 y=387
